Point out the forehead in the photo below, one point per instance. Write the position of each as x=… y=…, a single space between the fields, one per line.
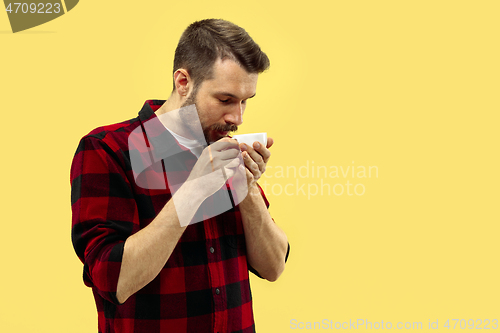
x=229 y=76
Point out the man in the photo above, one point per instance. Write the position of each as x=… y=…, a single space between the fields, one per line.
x=163 y=260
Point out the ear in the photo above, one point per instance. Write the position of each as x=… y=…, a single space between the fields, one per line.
x=182 y=82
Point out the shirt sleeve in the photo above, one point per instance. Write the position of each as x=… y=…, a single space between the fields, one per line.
x=104 y=214
x=250 y=268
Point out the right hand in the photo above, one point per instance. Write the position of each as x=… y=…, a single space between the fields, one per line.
x=226 y=156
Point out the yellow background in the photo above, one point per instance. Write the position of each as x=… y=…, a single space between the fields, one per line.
x=411 y=87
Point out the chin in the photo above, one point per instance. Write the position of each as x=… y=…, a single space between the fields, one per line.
x=216 y=137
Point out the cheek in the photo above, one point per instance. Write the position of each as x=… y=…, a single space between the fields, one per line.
x=214 y=113
x=203 y=112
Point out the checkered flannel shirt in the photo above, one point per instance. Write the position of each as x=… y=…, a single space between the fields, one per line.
x=203 y=287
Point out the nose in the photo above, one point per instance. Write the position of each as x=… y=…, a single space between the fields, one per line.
x=235 y=114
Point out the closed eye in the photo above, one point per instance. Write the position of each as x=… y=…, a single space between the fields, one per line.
x=224 y=100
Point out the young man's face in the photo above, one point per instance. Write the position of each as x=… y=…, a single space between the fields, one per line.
x=222 y=100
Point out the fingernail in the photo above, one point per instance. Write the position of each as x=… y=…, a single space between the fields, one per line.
x=244 y=147
x=256 y=145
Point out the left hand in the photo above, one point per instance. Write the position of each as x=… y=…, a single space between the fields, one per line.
x=255 y=158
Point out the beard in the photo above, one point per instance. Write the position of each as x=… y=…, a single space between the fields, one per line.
x=218 y=127
x=189 y=121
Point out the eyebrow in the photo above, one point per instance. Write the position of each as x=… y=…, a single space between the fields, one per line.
x=231 y=95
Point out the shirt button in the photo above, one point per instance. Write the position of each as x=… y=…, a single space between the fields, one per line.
x=212 y=250
x=217 y=291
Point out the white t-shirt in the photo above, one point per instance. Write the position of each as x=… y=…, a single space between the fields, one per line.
x=192 y=145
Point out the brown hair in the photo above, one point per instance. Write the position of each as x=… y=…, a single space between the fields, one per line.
x=205 y=41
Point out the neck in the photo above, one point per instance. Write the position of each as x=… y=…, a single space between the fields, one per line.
x=171 y=104
x=169 y=116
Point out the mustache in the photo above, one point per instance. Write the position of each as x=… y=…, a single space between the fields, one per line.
x=225 y=128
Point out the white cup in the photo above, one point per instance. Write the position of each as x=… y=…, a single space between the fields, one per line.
x=249 y=139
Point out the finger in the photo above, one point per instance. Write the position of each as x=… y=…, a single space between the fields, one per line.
x=270 y=142
x=229 y=163
x=239 y=172
x=228 y=139
x=251 y=165
x=263 y=151
x=225 y=143
x=228 y=154
x=232 y=166
x=250 y=176
x=256 y=156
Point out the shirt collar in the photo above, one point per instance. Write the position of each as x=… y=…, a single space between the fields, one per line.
x=161 y=143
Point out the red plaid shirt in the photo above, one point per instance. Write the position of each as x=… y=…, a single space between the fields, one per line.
x=203 y=287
